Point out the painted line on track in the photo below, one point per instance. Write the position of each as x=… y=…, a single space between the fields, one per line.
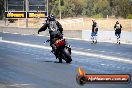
x=99 y=56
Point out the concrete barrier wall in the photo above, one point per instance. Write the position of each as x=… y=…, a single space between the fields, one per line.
x=34 y=31
x=82 y=34
x=20 y=30
x=107 y=36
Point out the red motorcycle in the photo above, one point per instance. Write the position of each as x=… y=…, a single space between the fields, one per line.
x=63 y=50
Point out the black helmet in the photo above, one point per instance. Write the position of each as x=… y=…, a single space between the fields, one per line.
x=51 y=18
x=117 y=22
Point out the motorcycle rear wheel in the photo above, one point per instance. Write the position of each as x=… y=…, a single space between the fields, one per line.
x=67 y=56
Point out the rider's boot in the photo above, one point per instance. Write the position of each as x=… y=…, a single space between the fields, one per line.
x=60 y=60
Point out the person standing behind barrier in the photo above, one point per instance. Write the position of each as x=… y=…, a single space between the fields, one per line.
x=94 y=31
x=118 y=28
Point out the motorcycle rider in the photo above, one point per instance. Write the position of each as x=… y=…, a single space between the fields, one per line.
x=118 y=28
x=55 y=31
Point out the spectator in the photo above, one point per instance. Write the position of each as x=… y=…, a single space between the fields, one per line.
x=94 y=31
x=118 y=28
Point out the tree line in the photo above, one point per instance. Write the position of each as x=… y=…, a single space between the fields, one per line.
x=88 y=8
x=92 y=8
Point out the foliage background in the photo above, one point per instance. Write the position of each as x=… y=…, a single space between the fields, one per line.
x=87 y=8
x=92 y=8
